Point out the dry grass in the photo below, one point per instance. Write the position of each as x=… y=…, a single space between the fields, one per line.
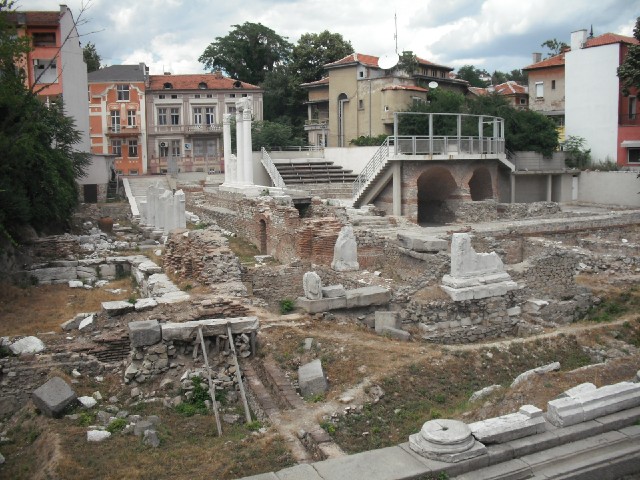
x=32 y=310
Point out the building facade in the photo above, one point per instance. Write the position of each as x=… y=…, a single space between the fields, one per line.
x=117 y=116
x=184 y=120
x=358 y=97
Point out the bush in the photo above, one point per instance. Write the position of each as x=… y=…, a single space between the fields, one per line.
x=116 y=425
x=363 y=141
x=286 y=306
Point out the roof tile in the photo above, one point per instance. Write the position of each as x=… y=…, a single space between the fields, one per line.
x=192 y=82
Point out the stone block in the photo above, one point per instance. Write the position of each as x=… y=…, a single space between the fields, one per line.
x=312 y=286
x=311 y=379
x=526 y=422
x=97 y=435
x=395 y=333
x=323 y=305
x=387 y=319
x=75 y=284
x=514 y=312
x=144 y=333
x=422 y=243
x=107 y=271
x=148 y=267
x=117 y=307
x=186 y=331
x=173 y=297
x=333 y=291
x=52 y=397
x=366 y=296
x=345 y=251
x=27 y=345
x=298 y=472
x=551 y=367
x=54 y=274
x=578 y=390
x=86 y=322
x=159 y=284
x=143 y=304
x=465 y=262
x=448 y=441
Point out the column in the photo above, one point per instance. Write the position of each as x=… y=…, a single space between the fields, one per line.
x=239 y=148
x=226 y=137
x=397 y=188
x=512 y=181
x=248 y=149
x=179 y=209
x=549 y=187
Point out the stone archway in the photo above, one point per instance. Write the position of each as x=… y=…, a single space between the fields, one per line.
x=435 y=187
x=481 y=185
x=263 y=237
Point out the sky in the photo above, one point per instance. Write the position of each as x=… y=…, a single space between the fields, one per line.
x=170 y=35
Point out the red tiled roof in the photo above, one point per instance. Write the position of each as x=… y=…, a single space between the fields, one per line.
x=192 y=82
x=555 y=61
x=317 y=83
x=478 y=91
x=412 y=88
x=34 y=18
x=608 y=39
x=510 y=88
x=372 y=61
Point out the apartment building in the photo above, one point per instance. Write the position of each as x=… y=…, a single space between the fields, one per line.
x=117 y=116
x=184 y=119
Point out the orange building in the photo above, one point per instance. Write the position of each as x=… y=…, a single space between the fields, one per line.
x=117 y=116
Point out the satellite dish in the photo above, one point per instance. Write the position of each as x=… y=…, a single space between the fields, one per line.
x=388 y=61
x=433 y=84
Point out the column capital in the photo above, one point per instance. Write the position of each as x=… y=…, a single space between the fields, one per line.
x=226 y=118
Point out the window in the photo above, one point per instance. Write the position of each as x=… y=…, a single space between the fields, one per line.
x=202 y=86
x=131 y=118
x=198 y=148
x=164 y=149
x=123 y=93
x=553 y=84
x=175 y=116
x=162 y=116
x=633 y=107
x=175 y=148
x=231 y=109
x=386 y=108
x=197 y=95
x=162 y=96
x=116 y=147
x=44 y=39
x=523 y=101
x=442 y=74
x=360 y=104
x=209 y=95
x=633 y=155
x=197 y=116
x=174 y=96
x=115 y=120
x=133 y=172
x=167 y=86
x=210 y=115
x=133 y=147
x=45 y=71
x=539 y=90
x=361 y=74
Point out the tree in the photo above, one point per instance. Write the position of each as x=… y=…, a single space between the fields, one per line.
x=91 y=57
x=472 y=75
x=314 y=50
x=629 y=71
x=555 y=46
x=247 y=53
x=39 y=165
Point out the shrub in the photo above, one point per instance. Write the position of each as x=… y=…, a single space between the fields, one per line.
x=286 y=306
x=116 y=425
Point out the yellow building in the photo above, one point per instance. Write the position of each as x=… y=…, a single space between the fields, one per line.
x=358 y=97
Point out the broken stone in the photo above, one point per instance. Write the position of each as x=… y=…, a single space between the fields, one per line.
x=311 y=379
x=345 y=252
x=87 y=322
x=386 y=319
x=88 y=402
x=141 y=427
x=97 y=435
x=539 y=371
x=145 y=304
x=486 y=391
x=333 y=291
x=151 y=438
x=27 y=345
x=53 y=397
x=116 y=308
x=312 y=285
x=144 y=333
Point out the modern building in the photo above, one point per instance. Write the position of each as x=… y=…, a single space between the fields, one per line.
x=55 y=66
x=359 y=97
x=118 y=116
x=580 y=88
x=184 y=119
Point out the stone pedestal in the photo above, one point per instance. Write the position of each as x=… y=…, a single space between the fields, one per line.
x=447 y=441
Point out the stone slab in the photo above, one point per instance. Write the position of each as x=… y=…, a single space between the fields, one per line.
x=144 y=333
x=311 y=379
x=508 y=427
x=387 y=319
x=261 y=476
x=117 y=307
x=333 y=291
x=52 y=397
x=323 y=305
x=148 y=267
x=187 y=331
x=478 y=292
x=177 y=296
x=422 y=243
x=97 y=435
x=299 y=472
x=511 y=470
x=366 y=296
x=143 y=304
x=54 y=274
x=391 y=463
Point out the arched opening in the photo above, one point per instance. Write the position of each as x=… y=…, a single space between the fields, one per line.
x=435 y=186
x=480 y=185
x=263 y=237
x=342 y=100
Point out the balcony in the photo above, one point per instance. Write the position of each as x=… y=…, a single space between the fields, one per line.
x=199 y=163
x=629 y=119
x=321 y=123
x=185 y=129
x=123 y=131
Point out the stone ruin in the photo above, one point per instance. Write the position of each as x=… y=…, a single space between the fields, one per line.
x=345 y=253
x=163 y=210
x=474 y=275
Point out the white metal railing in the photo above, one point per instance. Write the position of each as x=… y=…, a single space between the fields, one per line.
x=372 y=168
x=297 y=148
x=268 y=164
x=447 y=145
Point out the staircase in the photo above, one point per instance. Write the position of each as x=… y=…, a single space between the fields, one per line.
x=139 y=185
x=371 y=173
x=312 y=171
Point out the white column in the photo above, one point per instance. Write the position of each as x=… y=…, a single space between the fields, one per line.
x=226 y=137
x=151 y=205
x=239 y=148
x=248 y=150
x=179 y=209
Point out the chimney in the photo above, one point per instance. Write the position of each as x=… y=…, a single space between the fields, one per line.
x=578 y=39
x=537 y=57
x=218 y=74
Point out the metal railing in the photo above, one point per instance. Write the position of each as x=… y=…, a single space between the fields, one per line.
x=268 y=164
x=159 y=129
x=372 y=168
x=297 y=148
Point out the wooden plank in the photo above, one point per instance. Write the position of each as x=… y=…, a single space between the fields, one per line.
x=247 y=412
x=212 y=388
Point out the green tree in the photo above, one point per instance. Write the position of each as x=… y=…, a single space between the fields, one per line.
x=247 y=52
x=91 y=57
x=517 y=76
x=313 y=51
x=555 y=46
x=272 y=134
x=39 y=164
x=629 y=71
x=472 y=75
x=408 y=62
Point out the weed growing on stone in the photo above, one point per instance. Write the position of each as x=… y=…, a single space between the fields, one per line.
x=286 y=306
x=116 y=425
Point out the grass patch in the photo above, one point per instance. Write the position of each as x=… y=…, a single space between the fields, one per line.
x=117 y=425
x=243 y=249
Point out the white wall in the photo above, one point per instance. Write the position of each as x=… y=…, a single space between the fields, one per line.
x=350 y=158
x=609 y=188
x=98 y=171
x=74 y=79
x=591 y=100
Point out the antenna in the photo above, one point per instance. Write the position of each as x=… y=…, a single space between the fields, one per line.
x=395 y=35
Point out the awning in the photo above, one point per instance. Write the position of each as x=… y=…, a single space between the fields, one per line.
x=630 y=144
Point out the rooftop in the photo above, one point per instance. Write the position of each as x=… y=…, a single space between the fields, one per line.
x=210 y=81
x=118 y=73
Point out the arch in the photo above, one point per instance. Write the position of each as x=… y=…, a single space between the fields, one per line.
x=342 y=99
x=263 y=237
x=481 y=185
x=435 y=187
